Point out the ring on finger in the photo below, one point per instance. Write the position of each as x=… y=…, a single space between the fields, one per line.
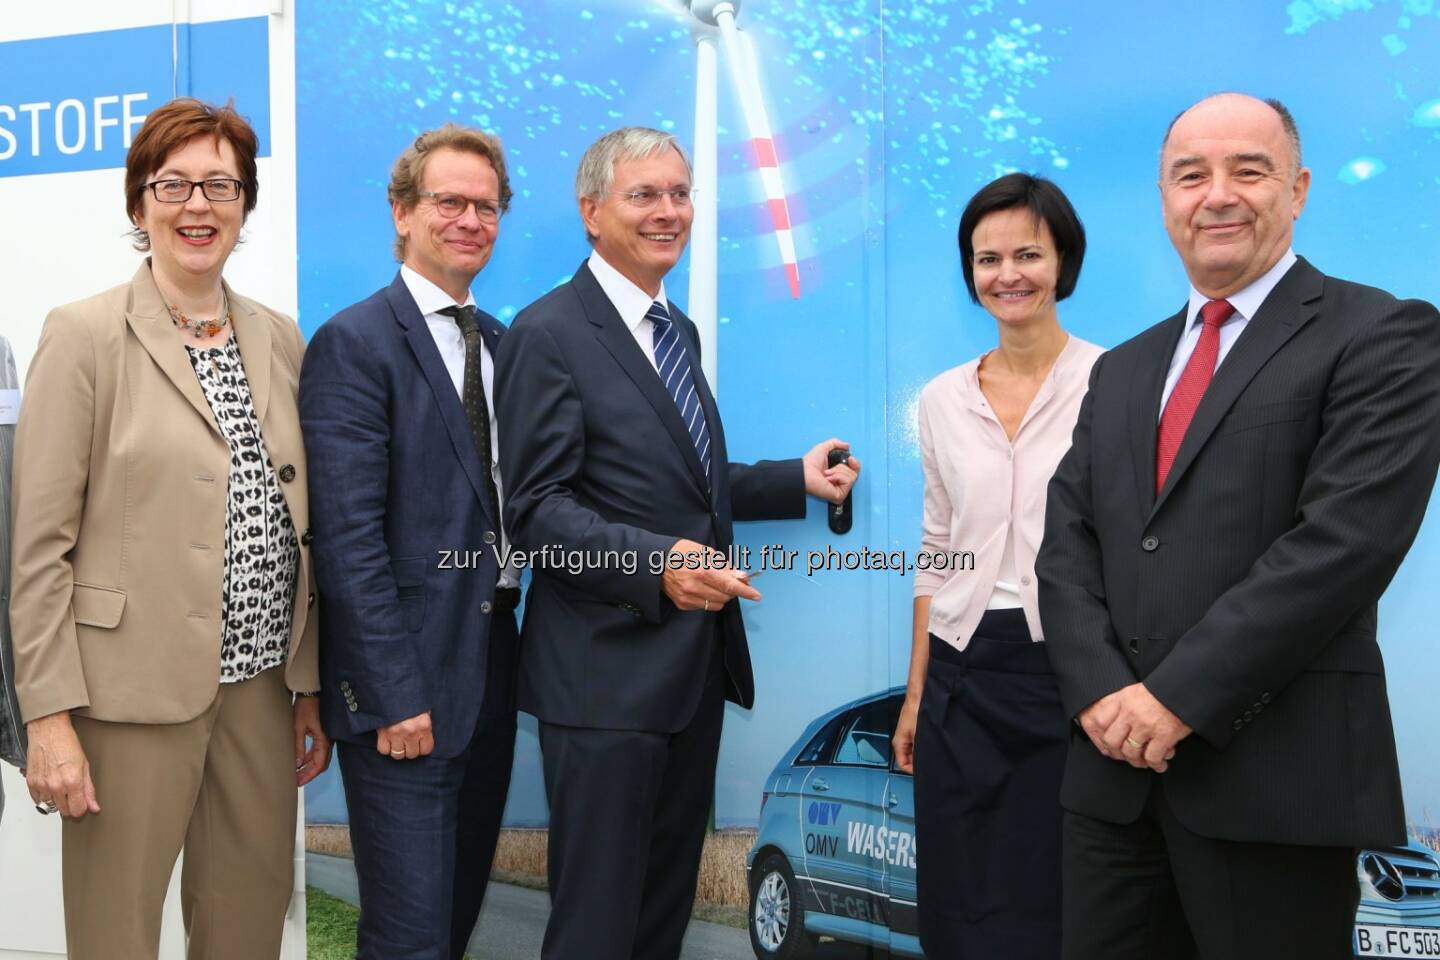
x=397 y=754
x=47 y=806
x=707 y=604
x=1133 y=743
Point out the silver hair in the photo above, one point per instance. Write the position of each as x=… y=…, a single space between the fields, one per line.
x=597 y=167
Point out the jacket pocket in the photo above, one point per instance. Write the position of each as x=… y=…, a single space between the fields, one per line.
x=1264 y=414
x=1349 y=653
x=97 y=606
x=409 y=575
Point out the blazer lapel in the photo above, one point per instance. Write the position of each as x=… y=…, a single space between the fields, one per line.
x=432 y=367
x=1145 y=392
x=150 y=320
x=252 y=335
x=1287 y=309
x=612 y=333
x=491 y=330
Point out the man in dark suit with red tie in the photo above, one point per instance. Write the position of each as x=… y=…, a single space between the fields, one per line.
x=1244 y=481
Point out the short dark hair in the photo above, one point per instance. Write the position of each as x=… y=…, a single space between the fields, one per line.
x=1047 y=203
x=169 y=128
x=1287 y=123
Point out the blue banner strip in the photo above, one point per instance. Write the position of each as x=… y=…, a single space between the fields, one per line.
x=75 y=102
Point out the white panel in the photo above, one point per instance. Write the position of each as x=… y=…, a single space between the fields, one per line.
x=26 y=20
x=32 y=923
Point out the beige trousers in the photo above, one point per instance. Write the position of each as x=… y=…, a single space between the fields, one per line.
x=222 y=787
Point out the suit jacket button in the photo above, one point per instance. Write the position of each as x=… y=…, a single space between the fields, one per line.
x=345 y=686
x=1264 y=698
x=307 y=538
x=1238 y=723
x=486 y=607
x=354 y=706
x=1134 y=644
x=489 y=536
x=287 y=473
x=1249 y=716
x=1150 y=544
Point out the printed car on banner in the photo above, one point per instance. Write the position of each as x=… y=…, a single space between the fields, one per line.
x=836 y=850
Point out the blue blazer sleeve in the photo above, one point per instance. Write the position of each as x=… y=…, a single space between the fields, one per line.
x=345 y=419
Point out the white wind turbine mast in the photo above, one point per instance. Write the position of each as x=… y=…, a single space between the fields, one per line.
x=710 y=17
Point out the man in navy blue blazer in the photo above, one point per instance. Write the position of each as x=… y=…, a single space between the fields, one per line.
x=615 y=452
x=418 y=635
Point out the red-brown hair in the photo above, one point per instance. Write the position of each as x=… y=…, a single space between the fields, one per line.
x=167 y=129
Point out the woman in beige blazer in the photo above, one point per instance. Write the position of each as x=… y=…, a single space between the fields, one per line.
x=162 y=599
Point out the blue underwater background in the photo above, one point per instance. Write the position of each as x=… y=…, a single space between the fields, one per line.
x=887 y=117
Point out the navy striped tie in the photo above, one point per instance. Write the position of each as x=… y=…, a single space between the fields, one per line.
x=673 y=363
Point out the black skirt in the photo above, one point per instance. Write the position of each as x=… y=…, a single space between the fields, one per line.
x=990 y=748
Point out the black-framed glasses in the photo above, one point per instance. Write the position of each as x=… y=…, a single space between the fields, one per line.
x=216 y=189
x=452 y=205
x=645 y=199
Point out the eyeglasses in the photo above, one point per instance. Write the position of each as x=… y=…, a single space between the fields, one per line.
x=645 y=199
x=452 y=205
x=217 y=190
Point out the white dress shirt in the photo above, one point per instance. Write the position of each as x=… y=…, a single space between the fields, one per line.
x=451 y=344
x=630 y=302
x=1246 y=303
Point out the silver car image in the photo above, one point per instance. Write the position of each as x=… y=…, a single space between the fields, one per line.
x=836 y=850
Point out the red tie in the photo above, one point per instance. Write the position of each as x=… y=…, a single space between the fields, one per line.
x=1185 y=398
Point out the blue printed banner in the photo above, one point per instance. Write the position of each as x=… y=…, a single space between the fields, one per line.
x=75 y=102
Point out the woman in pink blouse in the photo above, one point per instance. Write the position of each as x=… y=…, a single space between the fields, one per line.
x=982 y=729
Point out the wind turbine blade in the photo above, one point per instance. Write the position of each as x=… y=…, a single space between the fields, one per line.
x=704 y=242
x=745 y=75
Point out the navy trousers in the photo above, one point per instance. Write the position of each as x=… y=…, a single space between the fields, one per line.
x=989 y=754
x=424 y=831
x=628 y=810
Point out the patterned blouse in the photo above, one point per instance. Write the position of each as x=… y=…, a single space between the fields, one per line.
x=261 y=553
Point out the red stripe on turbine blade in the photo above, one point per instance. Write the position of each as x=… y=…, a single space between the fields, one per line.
x=792 y=273
x=780 y=214
x=765 y=152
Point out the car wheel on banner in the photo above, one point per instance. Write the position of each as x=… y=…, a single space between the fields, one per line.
x=777 y=921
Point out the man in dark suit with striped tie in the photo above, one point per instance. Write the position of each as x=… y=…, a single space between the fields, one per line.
x=614 y=449
x=1244 y=481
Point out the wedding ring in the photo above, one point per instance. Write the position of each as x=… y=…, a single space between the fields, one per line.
x=397 y=754
x=707 y=606
x=1137 y=746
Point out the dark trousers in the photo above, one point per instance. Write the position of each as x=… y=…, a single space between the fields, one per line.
x=1153 y=890
x=424 y=832
x=628 y=811
x=989 y=754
